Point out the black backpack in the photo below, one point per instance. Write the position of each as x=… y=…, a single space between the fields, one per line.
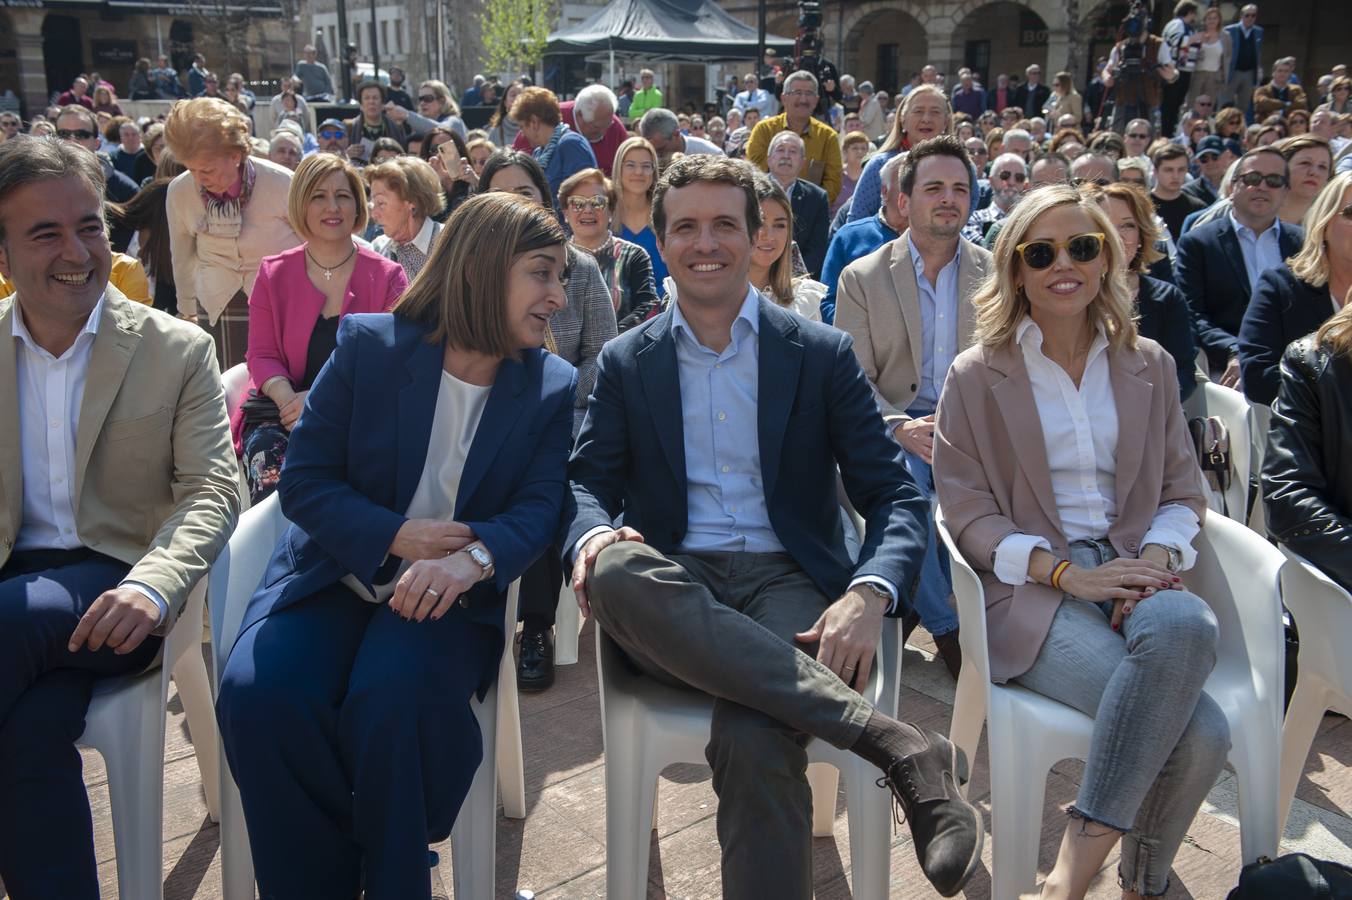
x=1294 y=876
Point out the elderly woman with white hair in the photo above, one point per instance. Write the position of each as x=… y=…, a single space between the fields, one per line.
x=226 y=213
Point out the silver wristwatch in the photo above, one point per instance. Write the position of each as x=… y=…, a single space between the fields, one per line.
x=480 y=556
x=1175 y=559
x=879 y=590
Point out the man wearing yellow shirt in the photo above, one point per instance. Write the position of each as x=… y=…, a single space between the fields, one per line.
x=647 y=98
x=819 y=139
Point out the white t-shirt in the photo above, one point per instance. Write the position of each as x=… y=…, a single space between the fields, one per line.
x=459 y=408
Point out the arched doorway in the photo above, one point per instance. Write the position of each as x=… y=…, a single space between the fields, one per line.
x=9 y=55
x=1001 y=37
x=885 y=46
x=62 y=50
x=1100 y=32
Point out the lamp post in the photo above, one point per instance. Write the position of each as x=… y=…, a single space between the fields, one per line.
x=342 y=49
x=375 y=45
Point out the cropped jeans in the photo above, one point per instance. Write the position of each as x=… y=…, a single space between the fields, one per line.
x=1159 y=741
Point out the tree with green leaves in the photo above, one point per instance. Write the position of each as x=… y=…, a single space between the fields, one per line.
x=515 y=33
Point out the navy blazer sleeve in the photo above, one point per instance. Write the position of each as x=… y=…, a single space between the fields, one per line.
x=516 y=536
x=814 y=232
x=895 y=513
x=314 y=490
x=1165 y=318
x=600 y=460
x=1190 y=274
x=1283 y=309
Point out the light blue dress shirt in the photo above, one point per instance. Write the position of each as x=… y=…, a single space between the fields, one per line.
x=1260 y=251
x=725 y=495
x=938 y=327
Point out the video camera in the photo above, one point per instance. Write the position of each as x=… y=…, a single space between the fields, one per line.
x=807 y=52
x=1135 y=27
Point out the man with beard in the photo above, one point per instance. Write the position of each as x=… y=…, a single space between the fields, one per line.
x=1009 y=180
x=929 y=276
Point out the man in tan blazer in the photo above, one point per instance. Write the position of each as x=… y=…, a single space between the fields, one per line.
x=908 y=306
x=118 y=488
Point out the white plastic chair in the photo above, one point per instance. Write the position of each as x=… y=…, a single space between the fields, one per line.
x=233 y=580
x=1323 y=613
x=235 y=383
x=125 y=724
x=1237 y=575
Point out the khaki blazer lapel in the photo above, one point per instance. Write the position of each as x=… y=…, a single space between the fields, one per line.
x=1133 y=395
x=114 y=346
x=1014 y=396
x=908 y=298
x=11 y=467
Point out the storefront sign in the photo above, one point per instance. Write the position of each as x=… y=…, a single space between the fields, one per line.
x=108 y=52
x=1032 y=30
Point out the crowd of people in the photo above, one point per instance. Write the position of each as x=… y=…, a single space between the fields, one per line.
x=536 y=351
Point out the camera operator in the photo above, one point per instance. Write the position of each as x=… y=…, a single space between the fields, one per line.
x=1138 y=68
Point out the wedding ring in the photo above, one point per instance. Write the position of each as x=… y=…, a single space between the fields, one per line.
x=434 y=593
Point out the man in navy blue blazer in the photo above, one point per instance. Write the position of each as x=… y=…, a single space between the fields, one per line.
x=716 y=431
x=1219 y=263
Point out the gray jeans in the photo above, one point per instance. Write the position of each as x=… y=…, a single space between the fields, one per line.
x=1159 y=741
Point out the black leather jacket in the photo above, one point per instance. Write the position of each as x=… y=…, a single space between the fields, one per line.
x=1307 y=472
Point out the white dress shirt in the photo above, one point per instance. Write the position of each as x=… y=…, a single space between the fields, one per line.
x=1260 y=251
x=51 y=393
x=1080 y=431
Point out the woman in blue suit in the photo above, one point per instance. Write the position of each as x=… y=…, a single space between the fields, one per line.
x=426 y=474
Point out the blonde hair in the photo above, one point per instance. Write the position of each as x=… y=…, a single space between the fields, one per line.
x=460 y=295
x=1336 y=332
x=414 y=180
x=629 y=146
x=1001 y=304
x=206 y=125
x=1143 y=211
x=443 y=94
x=305 y=181
x=1311 y=264
x=894 y=139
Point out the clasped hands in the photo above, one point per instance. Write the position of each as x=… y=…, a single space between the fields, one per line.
x=439 y=573
x=846 y=633
x=1126 y=582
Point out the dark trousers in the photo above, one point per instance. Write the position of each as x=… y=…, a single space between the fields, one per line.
x=540 y=584
x=1172 y=97
x=46 y=831
x=725 y=623
x=350 y=733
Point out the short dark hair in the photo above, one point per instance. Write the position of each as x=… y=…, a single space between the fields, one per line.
x=505 y=159
x=24 y=160
x=369 y=83
x=939 y=145
x=84 y=112
x=1183 y=8
x=704 y=167
x=1167 y=151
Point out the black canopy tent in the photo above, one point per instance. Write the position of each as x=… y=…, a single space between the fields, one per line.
x=662 y=31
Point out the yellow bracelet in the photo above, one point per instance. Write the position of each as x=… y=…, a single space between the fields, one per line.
x=1057 y=572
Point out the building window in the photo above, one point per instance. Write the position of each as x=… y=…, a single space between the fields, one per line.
x=399 y=35
x=333 y=42
x=889 y=68
x=385 y=35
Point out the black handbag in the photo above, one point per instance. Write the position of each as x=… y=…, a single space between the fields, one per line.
x=1295 y=876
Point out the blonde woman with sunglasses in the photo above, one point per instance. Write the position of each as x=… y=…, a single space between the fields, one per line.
x=1063 y=467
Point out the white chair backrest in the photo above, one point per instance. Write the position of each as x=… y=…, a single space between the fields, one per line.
x=235 y=382
x=1238 y=575
x=1231 y=407
x=971 y=597
x=1323 y=613
x=239 y=569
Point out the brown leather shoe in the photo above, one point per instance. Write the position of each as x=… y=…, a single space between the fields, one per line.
x=945 y=828
x=950 y=651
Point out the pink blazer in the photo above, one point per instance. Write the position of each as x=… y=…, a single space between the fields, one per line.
x=284 y=306
x=992 y=478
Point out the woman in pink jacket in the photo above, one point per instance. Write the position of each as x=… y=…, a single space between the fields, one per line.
x=296 y=303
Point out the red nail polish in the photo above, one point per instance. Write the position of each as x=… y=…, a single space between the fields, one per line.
x=1114 y=626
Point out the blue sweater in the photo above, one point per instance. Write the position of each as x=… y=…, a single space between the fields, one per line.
x=852 y=241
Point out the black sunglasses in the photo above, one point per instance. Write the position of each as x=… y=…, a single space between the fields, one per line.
x=79 y=134
x=1101 y=182
x=1019 y=177
x=1082 y=248
x=1253 y=179
x=427 y=98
